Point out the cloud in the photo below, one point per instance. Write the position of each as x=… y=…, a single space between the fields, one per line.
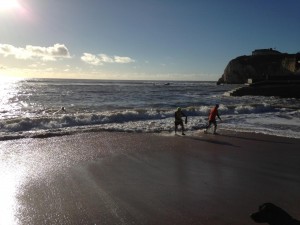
x=119 y=59
x=91 y=59
x=101 y=59
x=51 y=53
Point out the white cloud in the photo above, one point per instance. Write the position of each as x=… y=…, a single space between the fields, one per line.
x=105 y=58
x=91 y=59
x=119 y=59
x=100 y=59
x=51 y=53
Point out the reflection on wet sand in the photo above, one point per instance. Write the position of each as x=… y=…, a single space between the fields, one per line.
x=10 y=183
x=121 y=178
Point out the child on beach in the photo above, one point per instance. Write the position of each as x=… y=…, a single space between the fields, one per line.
x=212 y=118
x=179 y=121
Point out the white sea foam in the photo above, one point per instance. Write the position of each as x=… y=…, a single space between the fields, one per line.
x=150 y=121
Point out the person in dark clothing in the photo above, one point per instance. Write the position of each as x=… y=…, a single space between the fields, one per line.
x=179 y=121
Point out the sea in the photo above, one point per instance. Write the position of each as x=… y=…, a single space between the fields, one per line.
x=32 y=108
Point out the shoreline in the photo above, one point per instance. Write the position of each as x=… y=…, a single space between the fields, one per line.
x=142 y=178
x=43 y=134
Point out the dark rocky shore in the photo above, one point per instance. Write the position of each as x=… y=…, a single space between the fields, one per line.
x=288 y=89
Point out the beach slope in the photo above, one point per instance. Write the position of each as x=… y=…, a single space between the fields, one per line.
x=130 y=178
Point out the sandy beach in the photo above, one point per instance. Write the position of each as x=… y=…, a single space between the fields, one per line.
x=138 y=178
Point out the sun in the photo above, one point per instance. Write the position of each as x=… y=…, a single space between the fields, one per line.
x=8 y=4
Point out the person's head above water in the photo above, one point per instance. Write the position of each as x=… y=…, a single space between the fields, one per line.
x=178 y=109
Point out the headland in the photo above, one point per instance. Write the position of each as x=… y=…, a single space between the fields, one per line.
x=266 y=72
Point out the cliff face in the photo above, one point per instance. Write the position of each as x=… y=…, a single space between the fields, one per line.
x=261 y=67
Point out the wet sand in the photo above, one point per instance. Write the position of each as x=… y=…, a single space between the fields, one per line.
x=123 y=178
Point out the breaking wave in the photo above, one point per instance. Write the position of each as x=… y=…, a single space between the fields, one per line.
x=135 y=120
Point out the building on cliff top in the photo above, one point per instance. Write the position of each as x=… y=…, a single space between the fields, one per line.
x=268 y=51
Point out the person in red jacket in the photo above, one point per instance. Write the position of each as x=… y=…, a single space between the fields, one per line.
x=212 y=118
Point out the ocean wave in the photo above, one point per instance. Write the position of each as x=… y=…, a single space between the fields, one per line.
x=69 y=120
x=51 y=121
x=141 y=120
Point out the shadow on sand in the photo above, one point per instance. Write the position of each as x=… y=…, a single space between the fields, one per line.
x=217 y=142
x=267 y=140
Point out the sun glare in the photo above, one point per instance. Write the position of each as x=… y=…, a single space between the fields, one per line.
x=8 y=4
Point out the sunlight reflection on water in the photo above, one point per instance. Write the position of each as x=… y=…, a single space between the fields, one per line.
x=8 y=98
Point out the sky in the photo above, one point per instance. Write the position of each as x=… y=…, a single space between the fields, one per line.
x=140 y=39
